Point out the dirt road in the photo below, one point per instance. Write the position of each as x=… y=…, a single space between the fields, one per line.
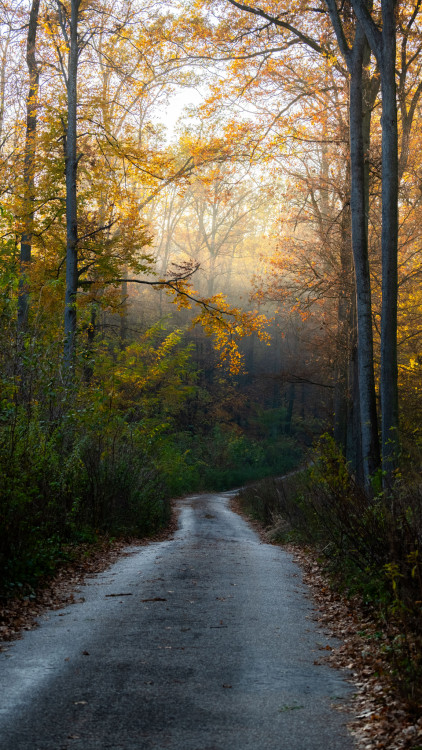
x=202 y=642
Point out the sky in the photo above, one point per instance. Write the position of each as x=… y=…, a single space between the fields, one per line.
x=171 y=113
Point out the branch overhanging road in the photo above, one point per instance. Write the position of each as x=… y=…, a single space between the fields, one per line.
x=202 y=642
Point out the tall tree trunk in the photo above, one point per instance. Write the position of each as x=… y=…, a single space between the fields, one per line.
x=3 y=63
x=389 y=244
x=355 y=58
x=358 y=203
x=354 y=432
x=71 y=192
x=383 y=45
x=29 y=163
x=341 y=384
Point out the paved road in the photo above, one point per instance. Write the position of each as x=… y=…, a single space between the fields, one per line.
x=203 y=642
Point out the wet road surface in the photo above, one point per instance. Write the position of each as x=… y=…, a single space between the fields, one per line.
x=202 y=642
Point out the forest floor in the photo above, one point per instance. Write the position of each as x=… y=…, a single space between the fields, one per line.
x=381 y=721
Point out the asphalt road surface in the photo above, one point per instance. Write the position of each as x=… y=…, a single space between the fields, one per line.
x=202 y=642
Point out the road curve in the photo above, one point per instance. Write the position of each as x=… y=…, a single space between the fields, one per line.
x=202 y=642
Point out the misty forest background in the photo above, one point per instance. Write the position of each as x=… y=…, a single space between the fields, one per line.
x=197 y=304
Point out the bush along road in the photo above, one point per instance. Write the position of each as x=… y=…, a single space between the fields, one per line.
x=206 y=640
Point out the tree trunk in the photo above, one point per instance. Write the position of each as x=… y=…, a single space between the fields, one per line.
x=29 y=164
x=368 y=409
x=389 y=243
x=71 y=193
x=3 y=64
x=355 y=58
x=354 y=432
x=341 y=384
x=383 y=45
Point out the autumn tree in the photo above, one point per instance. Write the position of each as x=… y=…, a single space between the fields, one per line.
x=296 y=27
x=289 y=32
x=30 y=158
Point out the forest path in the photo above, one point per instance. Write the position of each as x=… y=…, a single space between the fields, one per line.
x=202 y=642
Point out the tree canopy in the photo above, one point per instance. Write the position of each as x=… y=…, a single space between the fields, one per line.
x=186 y=304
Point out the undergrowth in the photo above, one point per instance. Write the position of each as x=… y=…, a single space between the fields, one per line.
x=370 y=547
x=103 y=452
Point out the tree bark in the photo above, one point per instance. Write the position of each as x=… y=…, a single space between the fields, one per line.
x=358 y=203
x=71 y=192
x=343 y=350
x=29 y=164
x=383 y=45
x=354 y=432
x=3 y=64
x=358 y=126
x=389 y=244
